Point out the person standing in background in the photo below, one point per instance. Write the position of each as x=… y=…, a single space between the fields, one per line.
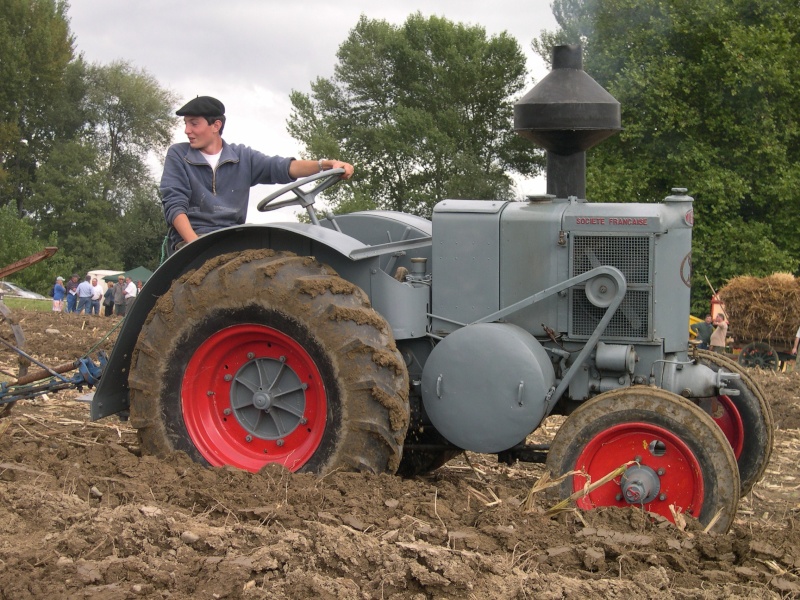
x=85 y=296
x=130 y=293
x=72 y=293
x=703 y=332
x=97 y=294
x=119 y=297
x=59 y=291
x=718 y=338
x=108 y=300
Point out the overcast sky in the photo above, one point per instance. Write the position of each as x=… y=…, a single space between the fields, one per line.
x=252 y=53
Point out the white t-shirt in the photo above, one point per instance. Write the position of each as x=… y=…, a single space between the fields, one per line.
x=212 y=159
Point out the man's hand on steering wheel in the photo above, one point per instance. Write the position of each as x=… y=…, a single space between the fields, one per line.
x=327 y=164
x=303 y=198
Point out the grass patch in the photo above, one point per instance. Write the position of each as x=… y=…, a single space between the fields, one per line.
x=28 y=304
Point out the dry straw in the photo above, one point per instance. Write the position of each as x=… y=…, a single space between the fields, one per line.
x=763 y=309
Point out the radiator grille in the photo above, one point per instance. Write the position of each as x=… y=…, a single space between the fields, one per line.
x=632 y=319
x=632 y=256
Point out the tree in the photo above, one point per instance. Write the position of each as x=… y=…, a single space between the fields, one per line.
x=425 y=112
x=75 y=138
x=17 y=241
x=132 y=117
x=141 y=231
x=35 y=50
x=94 y=178
x=710 y=101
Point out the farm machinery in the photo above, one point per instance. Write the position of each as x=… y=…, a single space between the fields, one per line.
x=25 y=385
x=385 y=342
x=762 y=314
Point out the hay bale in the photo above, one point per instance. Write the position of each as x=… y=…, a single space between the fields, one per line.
x=763 y=309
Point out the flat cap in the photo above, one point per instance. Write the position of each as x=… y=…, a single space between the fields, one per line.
x=202 y=106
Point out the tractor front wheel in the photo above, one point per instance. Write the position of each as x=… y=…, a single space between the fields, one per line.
x=675 y=457
x=260 y=357
x=745 y=418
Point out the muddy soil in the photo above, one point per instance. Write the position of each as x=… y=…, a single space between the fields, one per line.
x=84 y=515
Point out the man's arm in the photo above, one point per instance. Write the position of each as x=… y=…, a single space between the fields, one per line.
x=184 y=227
x=304 y=168
x=175 y=192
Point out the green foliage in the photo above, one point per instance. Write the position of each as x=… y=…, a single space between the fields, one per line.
x=17 y=241
x=710 y=101
x=74 y=146
x=141 y=230
x=35 y=49
x=132 y=116
x=424 y=112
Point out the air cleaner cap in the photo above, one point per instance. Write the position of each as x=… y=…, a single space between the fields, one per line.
x=567 y=111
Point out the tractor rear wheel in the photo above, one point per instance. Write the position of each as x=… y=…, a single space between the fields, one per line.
x=262 y=357
x=745 y=419
x=675 y=455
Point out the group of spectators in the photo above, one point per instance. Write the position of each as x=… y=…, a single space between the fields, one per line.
x=87 y=296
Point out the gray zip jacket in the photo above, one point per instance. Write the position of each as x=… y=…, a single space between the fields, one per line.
x=213 y=199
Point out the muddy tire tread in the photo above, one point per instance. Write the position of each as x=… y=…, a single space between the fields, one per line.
x=264 y=280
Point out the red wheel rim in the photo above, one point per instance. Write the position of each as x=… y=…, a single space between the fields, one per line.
x=725 y=414
x=679 y=474
x=251 y=395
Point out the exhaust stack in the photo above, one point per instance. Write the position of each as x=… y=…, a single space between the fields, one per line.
x=567 y=113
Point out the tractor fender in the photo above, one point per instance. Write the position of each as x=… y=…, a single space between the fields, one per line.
x=329 y=246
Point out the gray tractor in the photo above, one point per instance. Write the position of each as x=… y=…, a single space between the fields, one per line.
x=384 y=342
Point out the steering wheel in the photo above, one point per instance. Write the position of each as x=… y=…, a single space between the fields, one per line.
x=304 y=198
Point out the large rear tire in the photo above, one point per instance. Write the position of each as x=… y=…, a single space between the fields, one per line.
x=681 y=456
x=746 y=419
x=262 y=357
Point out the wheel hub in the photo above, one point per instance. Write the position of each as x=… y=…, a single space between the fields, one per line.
x=640 y=485
x=267 y=397
x=262 y=400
